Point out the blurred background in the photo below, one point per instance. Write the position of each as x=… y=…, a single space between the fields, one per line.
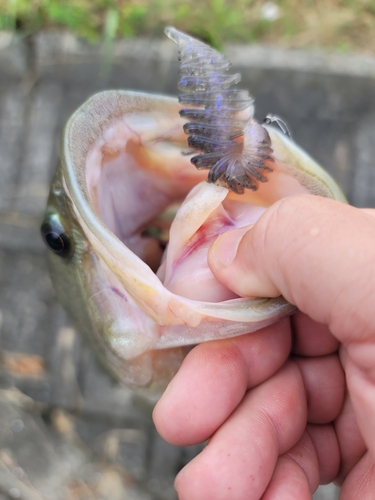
x=337 y=24
x=67 y=430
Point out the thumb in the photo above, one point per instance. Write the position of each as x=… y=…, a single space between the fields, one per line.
x=316 y=252
x=320 y=255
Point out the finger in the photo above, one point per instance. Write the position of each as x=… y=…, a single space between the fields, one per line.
x=314 y=460
x=360 y=483
x=327 y=450
x=288 y=481
x=361 y=386
x=296 y=474
x=213 y=379
x=311 y=338
x=239 y=459
x=324 y=382
x=369 y=211
x=318 y=253
x=351 y=444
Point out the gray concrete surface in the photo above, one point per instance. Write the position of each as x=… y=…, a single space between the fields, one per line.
x=91 y=437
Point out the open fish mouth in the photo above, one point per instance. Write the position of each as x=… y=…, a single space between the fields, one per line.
x=151 y=218
x=130 y=220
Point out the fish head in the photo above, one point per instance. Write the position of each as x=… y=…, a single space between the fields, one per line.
x=129 y=222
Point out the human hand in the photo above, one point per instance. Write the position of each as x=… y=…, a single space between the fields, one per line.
x=273 y=403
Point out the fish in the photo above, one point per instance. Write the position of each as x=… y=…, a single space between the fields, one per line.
x=145 y=185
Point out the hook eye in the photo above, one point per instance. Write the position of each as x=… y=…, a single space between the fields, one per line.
x=274 y=119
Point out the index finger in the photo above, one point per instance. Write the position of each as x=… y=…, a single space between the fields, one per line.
x=213 y=379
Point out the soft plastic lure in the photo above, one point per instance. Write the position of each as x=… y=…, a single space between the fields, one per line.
x=235 y=148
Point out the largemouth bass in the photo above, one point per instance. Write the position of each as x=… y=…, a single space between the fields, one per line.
x=129 y=219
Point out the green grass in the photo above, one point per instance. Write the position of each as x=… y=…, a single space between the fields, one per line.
x=337 y=24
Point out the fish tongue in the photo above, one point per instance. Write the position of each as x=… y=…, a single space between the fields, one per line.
x=206 y=213
x=199 y=220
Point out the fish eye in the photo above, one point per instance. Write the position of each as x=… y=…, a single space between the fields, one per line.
x=55 y=237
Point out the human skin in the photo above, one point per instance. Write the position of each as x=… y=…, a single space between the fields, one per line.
x=291 y=406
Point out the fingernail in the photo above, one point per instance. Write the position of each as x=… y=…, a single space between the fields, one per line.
x=224 y=249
